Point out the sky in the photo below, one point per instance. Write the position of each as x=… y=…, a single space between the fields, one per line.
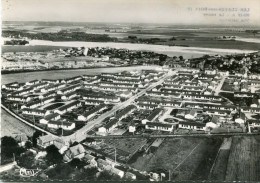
x=133 y=11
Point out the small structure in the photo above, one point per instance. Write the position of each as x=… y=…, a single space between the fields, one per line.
x=77 y=151
x=45 y=141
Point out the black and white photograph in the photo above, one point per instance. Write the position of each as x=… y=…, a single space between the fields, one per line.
x=130 y=90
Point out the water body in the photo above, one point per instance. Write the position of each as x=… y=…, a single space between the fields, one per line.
x=62 y=74
x=187 y=52
x=249 y=40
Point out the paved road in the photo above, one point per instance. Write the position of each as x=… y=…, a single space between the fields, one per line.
x=218 y=89
x=81 y=133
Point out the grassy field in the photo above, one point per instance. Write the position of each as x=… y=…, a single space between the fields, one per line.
x=244 y=159
x=187 y=158
x=11 y=126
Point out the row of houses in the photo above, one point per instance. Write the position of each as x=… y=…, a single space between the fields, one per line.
x=90 y=114
x=103 y=98
x=118 y=117
x=167 y=127
x=54 y=121
x=38 y=103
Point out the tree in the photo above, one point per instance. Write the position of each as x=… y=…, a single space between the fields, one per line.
x=8 y=141
x=28 y=144
x=35 y=136
x=89 y=140
x=76 y=163
x=53 y=155
x=9 y=148
x=61 y=171
x=26 y=160
x=106 y=176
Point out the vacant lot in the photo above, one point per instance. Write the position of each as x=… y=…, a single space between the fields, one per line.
x=187 y=158
x=11 y=126
x=244 y=159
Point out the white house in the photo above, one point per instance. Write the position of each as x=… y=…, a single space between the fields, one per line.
x=192 y=125
x=61 y=124
x=50 y=117
x=159 y=126
x=191 y=115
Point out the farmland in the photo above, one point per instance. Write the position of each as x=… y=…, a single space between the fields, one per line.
x=220 y=167
x=216 y=159
x=244 y=159
x=187 y=158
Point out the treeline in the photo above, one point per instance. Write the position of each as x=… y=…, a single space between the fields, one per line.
x=60 y=36
x=16 y=42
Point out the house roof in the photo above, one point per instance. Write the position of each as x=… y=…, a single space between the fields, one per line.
x=159 y=124
x=63 y=123
x=74 y=151
x=193 y=112
x=125 y=111
x=34 y=110
x=89 y=157
x=154 y=114
x=94 y=110
x=46 y=138
x=215 y=119
x=70 y=94
x=48 y=93
x=192 y=123
x=66 y=106
x=94 y=101
x=51 y=116
x=111 y=123
x=103 y=162
x=217 y=110
x=47 y=98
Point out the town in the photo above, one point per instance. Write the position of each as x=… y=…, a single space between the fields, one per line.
x=76 y=116
x=71 y=58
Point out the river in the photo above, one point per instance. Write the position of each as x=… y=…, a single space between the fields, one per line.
x=62 y=74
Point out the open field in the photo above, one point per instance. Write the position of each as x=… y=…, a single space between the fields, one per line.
x=187 y=158
x=11 y=126
x=244 y=159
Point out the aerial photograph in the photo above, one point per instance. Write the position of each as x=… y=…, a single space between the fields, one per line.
x=130 y=90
